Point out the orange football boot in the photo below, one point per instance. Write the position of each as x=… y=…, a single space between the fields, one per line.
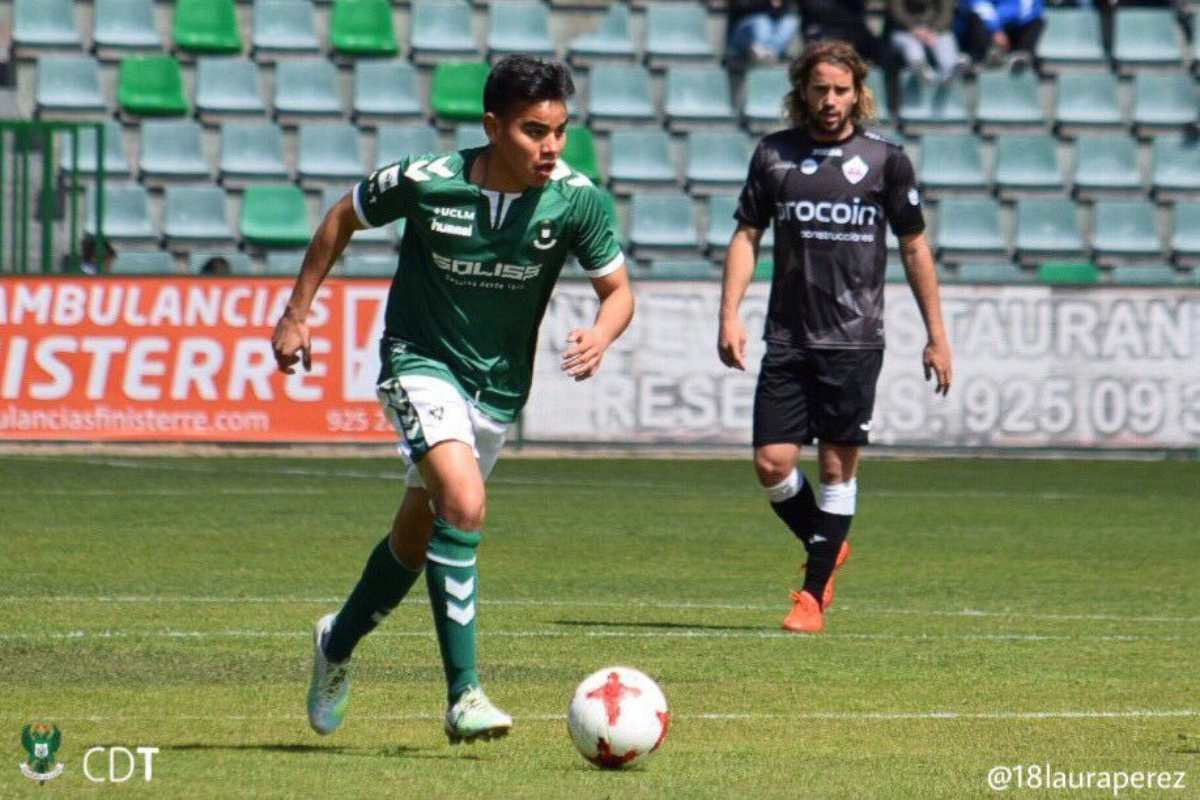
x=805 y=616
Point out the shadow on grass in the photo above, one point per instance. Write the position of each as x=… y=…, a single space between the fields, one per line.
x=580 y=623
x=395 y=751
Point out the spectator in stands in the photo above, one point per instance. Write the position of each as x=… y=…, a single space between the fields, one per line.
x=991 y=32
x=844 y=20
x=216 y=266
x=761 y=31
x=91 y=262
x=922 y=35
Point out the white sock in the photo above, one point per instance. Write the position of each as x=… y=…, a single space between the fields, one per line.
x=839 y=498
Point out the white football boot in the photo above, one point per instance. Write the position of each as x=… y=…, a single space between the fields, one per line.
x=329 y=692
x=475 y=717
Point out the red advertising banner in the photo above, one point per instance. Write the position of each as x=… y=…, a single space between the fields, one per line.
x=185 y=359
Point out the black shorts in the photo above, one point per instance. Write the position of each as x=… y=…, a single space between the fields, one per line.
x=827 y=395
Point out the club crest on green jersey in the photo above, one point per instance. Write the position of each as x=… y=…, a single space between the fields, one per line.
x=545 y=235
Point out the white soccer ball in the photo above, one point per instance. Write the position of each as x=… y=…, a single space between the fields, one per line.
x=617 y=717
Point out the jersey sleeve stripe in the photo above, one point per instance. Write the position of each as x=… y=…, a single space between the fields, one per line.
x=358 y=212
x=609 y=268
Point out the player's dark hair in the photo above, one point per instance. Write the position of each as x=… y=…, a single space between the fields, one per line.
x=518 y=80
x=840 y=54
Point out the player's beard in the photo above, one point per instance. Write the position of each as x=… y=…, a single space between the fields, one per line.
x=831 y=124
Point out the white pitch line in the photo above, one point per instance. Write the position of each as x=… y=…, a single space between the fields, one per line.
x=127 y=492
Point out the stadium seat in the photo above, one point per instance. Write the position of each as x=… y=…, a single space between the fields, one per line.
x=580 y=152
x=306 y=88
x=764 y=270
x=1068 y=273
x=45 y=24
x=394 y=142
x=275 y=216
x=716 y=160
x=172 y=150
x=894 y=272
x=969 y=228
x=640 y=158
x=1175 y=167
x=519 y=26
x=661 y=224
x=227 y=87
x=362 y=266
x=207 y=26
x=251 y=152
x=988 y=273
x=441 y=30
x=469 y=135
x=1008 y=100
x=697 y=95
x=385 y=90
x=677 y=32
x=151 y=86
x=765 y=90
x=1071 y=39
x=239 y=263
x=363 y=28
x=116 y=164
x=1125 y=229
x=952 y=161
x=721 y=226
x=196 y=214
x=612 y=40
x=619 y=94
x=376 y=237
x=123 y=25
x=284 y=27
x=1027 y=165
x=1146 y=37
x=924 y=106
x=688 y=270
x=1086 y=101
x=69 y=85
x=1164 y=102
x=1185 y=236
x=329 y=152
x=457 y=90
x=1106 y=166
x=1151 y=275
x=875 y=82
x=1047 y=228
x=285 y=262
x=126 y=212
x=149 y=262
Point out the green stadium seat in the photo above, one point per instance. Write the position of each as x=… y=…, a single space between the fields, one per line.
x=44 y=24
x=640 y=159
x=1068 y=273
x=1152 y=275
x=1146 y=37
x=1027 y=165
x=1071 y=39
x=69 y=85
x=149 y=262
x=717 y=160
x=1106 y=166
x=1008 y=99
x=394 y=142
x=196 y=213
x=894 y=272
x=677 y=32
x=969 y=228
x=362 y=266
x=875 y=82
x=1185 y=236
x=126 y=212
x=721 y=225
x=1164 y=102
x=928 y=106
x=284 y=27
x=363 y=28
x=275 y=216
x=765 y=90
x=612 y=40
x=580 y=152
x=227 y=87
x=620 y=93
x=330 y=152
x=1086 y=101
x=151 y=86
x=207 y=26
x=764 y=270
x=989 y=274
x=306 y=88
x=385 y=90
x=952 y=161
x=284 y=262
x=124 y=25
x=469 y=136
x=1175 y=167
x=457 y=90
x=381 y=236
x=239 y=263
x=251 y=151
x=519 y=26
x=698 y=95
x=441 y=29
x=1048 y=228
x=116 y=164
x=661 y=224
x=172 y=150
x=1125 y=229
x=687 y=270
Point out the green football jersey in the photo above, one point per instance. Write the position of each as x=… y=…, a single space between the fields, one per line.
x=477 y=267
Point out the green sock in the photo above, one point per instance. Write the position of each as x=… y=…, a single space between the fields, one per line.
x=452 y=577
x=384 y=583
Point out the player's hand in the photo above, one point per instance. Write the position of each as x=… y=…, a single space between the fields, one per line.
x=291 y=343
x=731 y=343
x=937 y=364
x=585 y=350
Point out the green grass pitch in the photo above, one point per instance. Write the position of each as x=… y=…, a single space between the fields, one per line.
x=993 y=612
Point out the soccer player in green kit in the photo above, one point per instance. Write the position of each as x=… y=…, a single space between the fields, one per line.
x=488 y=230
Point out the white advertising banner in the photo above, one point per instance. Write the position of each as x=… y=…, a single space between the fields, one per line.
x=1034 y=366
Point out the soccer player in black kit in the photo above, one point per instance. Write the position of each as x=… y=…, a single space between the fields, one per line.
x=829 y=187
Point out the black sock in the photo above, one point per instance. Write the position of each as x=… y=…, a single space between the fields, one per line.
x=798 y=512
x=383 y=584
x=828 y=533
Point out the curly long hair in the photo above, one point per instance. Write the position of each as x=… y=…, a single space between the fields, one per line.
x=841 y=54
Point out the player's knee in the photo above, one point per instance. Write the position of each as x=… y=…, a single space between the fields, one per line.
x=464 y=510
x=771 y=469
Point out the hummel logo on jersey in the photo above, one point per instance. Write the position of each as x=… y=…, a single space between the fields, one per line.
x=437 y=226
x=418 y=171
x=855 y=169
x=479 y=269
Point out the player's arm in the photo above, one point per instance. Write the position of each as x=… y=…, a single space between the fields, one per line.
x=922 y=277
x=582 y=358
x=740 y=258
